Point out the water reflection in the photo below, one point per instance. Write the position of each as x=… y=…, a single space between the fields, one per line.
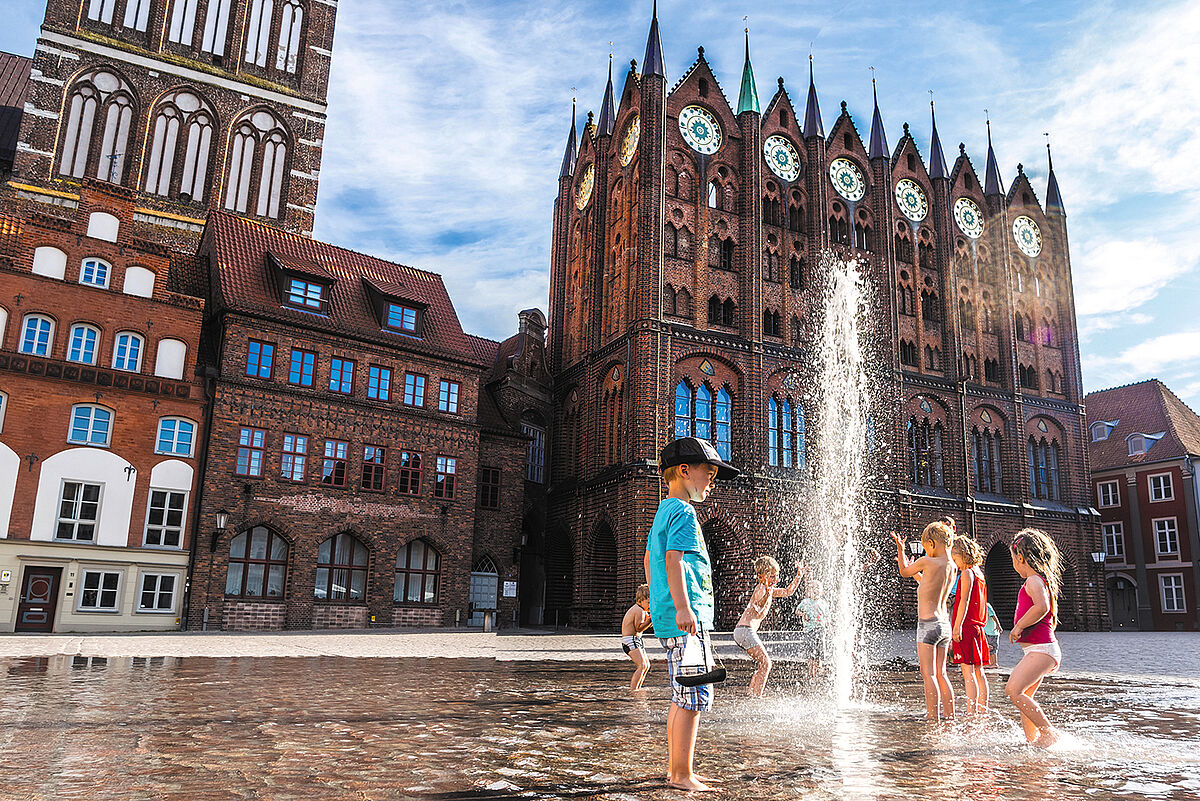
x=335 y=729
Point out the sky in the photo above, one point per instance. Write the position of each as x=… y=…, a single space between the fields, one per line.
x=447 y=123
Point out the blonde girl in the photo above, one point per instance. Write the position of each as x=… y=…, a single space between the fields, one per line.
x=1036 y=559
x=969 y=648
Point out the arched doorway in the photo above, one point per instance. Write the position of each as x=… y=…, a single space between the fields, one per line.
x=560 y=576
x=1122 y=603
x=1003 y=583
x=533 y=572
x=725 y=579
x=601 y=590
x=485 y=586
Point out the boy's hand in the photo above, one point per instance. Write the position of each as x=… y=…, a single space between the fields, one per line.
x=685 y=621
x=899 y=542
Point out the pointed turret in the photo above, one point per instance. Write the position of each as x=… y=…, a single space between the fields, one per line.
x=812 y=113
x=879 y=147
x=1053 y=199
x=937 y=160
x=608 y=114
x=991 y=179
x=748 y=96
x=568 y=163
x=652 y=64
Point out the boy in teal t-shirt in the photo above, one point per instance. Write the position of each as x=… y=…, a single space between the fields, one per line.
x=681 y=592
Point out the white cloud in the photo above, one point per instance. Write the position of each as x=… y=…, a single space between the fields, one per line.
x=1114 y=276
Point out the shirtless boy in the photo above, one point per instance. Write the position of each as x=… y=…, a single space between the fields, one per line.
x=933 y=572
x=637 y=620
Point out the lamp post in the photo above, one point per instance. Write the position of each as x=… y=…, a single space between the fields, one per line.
x=222 y=521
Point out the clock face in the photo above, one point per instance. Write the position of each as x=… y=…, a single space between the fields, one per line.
x=847 y=179
x=1029 y=238
x=910 y=197
x=782 y=157
x=969 y=217
x=629 y=143
x=700 y=130
x=584 y=193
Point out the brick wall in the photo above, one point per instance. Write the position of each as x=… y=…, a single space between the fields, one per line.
x=339 y=616
x=251 y=616
x=415 y=617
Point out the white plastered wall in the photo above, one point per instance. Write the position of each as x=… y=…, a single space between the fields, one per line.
x=94 y=466
x=10 y=464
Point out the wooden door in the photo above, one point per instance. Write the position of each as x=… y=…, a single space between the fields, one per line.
x=39 y=599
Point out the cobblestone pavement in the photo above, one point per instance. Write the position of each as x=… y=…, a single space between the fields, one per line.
x=1120 y=653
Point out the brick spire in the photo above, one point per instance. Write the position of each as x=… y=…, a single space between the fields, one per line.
x=992 y=185
x=608 y=115
x=652 y=64
x=748 y=96
x=812 y=113
x=568 y=162
x=937 y=161
x=879 y=147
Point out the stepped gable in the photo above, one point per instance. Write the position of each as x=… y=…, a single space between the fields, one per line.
x=1147 y=407
x=248 y=255
x=14 y=88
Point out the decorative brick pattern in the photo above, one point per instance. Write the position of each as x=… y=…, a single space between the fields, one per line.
x=339 y=616
x=415 y=617
x=251 y=616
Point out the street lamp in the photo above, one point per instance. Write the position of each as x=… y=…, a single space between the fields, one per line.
x=1099 y=557
x=222 y=520
x=914 y=548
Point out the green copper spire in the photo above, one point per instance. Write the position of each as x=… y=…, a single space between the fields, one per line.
x=748 y=97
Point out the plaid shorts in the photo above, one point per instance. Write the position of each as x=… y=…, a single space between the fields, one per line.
x=695 y=699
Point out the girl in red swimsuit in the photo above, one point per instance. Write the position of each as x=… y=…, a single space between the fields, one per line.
x=1035 y=557
x=969 y=648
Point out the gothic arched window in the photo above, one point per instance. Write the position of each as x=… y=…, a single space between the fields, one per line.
x=99 y=102
x=714 y=195
x=683 y=303
x=216 y=27
x=258 y=31
x=183 y=22
x=290 y=24
x=987 y=460
x=341 y=569
x=925 y=449
x=180 y=145
x=668 y=299
x=258 y=155
x=697 y=414
x=1044 y=478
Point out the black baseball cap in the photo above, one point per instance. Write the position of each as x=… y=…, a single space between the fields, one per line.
x=692 y=450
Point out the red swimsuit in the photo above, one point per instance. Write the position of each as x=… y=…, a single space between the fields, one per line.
x=972 y=649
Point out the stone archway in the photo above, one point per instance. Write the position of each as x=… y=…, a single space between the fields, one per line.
x=1003 y=583
x=600 y=600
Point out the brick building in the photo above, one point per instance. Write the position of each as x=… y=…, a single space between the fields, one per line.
x=1145 y=451
x=685 y=279
x=193 y=105
x=100 y=421
x=361 y=469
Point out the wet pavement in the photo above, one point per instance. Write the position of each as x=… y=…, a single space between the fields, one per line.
x=334 y=728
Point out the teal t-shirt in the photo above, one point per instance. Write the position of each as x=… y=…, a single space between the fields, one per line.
x=675 y=528
x=813 y=612
x=993 y=623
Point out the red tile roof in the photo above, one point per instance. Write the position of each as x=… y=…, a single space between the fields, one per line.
x=1147 y=407
x=244 y=282
x=14 y=88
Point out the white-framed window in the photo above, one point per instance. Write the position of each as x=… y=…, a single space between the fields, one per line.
x=95 y=272
x=37 y=332
x=1161 y=488
x=164 y=518
x=294 y=458
x=127 y=352
x=90 y=425
x=1108 y=493
x=82 y=345
x=290 y=24
x=157 y=593
x=101 y=10
x=306 y=294
x=535 y=452
x=183 y=22
x=1166 y=536
x=137 y=14
x=1172 y=592
x=216 y=27
x=99 y=591
x=1114 y=540
x=176 y=436
x=1101 y=429
x=78 y=511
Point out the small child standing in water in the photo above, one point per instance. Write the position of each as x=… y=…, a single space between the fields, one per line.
x=970 y=649
x=933 y=573
x=813 y=611
x=745 y=633
x=991 y=633
x=636 y=620
x=1036 y=559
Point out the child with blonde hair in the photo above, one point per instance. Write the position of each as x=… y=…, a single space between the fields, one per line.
x=970 y=649
x=933 y=573
x=745 y=633
x=637 y=620
x=1036 y=559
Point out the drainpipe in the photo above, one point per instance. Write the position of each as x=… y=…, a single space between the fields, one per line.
x=1193 y=521
x=1145 y=613
x=198 y=500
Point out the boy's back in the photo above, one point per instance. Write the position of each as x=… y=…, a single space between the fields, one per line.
x=936 y=578
x=636 y=621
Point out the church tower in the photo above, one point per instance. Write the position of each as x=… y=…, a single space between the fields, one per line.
x=686 y=285
x=192 y=104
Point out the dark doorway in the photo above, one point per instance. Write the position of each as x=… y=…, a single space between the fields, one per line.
x=39 y=599
x=1122 y=603
x=1003 y=583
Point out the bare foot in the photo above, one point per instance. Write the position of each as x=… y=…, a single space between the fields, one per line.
x=691 y=784
x=1047 y=738
x=699 y=778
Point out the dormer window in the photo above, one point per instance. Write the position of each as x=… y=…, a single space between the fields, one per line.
x=1102 y=428
x=1140 y=443
x=306 y=294
x=402 y=318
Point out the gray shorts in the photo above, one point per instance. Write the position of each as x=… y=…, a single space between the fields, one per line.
x=934 y=631
x=812 y=645
x=747 y=638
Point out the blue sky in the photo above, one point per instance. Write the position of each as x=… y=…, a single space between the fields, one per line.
x=447 y=123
